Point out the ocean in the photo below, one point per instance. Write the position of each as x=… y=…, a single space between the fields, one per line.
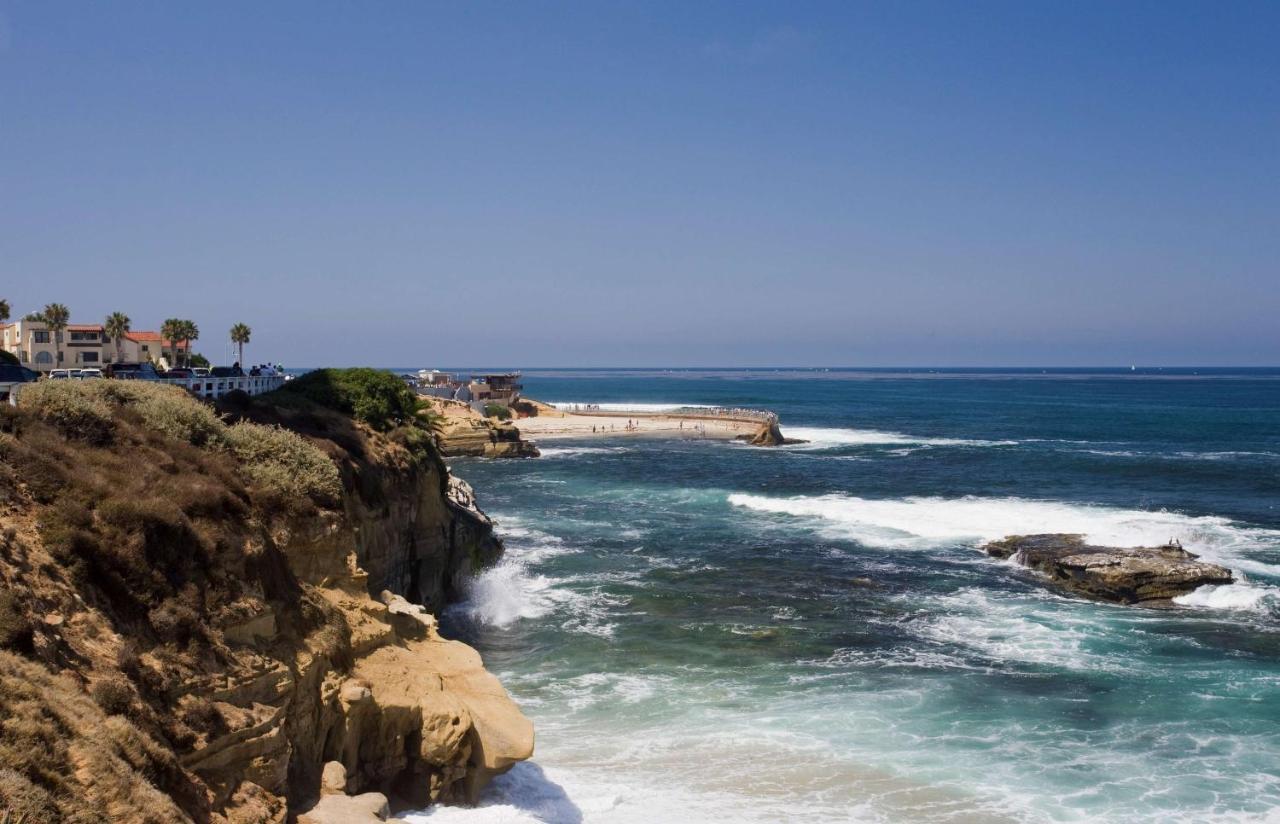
x=705 y=631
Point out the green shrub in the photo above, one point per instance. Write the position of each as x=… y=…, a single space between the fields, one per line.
x=285 y=462
x=378 y=398
x=166 y=409
x=497 y=410
x=78 y=414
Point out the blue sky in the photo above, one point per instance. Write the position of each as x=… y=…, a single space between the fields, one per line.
x=619 y=183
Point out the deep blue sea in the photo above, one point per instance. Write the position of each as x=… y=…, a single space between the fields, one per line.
x=706 y=631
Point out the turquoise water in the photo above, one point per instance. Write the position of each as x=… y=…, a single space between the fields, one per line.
x=703 y=631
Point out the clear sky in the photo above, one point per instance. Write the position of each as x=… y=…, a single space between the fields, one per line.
x=646 y=183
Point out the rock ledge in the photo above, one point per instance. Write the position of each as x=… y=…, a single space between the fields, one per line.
x=1150 y=576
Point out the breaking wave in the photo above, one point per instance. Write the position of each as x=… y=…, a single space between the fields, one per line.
x=927 y=522
x=830 y=438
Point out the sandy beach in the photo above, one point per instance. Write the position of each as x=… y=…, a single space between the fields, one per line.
x=668 y=426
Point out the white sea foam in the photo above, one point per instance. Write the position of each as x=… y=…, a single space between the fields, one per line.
x=922 y=523
x=830 y=438
x=513 y=589
x=1231 y=597
x=576 y=451
x=1006 y=628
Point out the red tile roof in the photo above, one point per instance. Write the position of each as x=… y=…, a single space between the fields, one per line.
x=150 y=337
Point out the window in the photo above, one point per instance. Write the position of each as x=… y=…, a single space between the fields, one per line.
x=82 y=337
x=43 y=358
x=89 y=357
x=40 y=336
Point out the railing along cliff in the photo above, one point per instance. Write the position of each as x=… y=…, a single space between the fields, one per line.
x=210 y=387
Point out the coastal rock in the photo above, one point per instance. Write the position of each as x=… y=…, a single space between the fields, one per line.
x=1134 y=575
x=769 y=434
x=223 y=658
x=367 y=808
x=477 y=436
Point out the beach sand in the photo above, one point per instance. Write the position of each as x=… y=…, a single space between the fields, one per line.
x=612 y=426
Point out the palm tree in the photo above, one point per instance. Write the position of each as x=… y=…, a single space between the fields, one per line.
x=117 y=326
x=240 y=336
x=4 y=310
x=56 y=317
x=171 y=331
x=190 y=332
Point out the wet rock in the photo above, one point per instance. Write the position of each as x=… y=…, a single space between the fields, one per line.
x=769 y=434
x=1149 y=576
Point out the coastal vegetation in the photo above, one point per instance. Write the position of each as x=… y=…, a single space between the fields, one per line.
x=180 y=333
x=497 y=410
x=116 y=326
x=240 y=334
x=372 y=396
x=56 y=316
x=277 y=460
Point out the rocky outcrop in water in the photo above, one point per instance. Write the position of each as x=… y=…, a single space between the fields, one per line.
x=769 y=434
x=463 y=432
x=484 y=439
x=1135 y=575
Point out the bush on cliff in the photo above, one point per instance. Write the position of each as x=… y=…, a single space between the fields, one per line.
x=275 y=459
x=278 y=459
x=74 y=412
x=377 y=398
x=497 y=410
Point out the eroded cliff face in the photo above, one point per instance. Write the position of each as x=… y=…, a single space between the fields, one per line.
x=200 y=647
x=464 y=432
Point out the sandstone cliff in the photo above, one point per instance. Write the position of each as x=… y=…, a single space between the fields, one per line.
x=464 y=432
x=196 y=617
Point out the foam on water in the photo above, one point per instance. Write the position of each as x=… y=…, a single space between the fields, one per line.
x=1242 y=597
x=515 y=590
x=927 y=522
x=577 y=451
x=830 y=438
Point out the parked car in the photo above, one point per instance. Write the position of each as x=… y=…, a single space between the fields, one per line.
x=133 y=372
x=64 y=374
x=200 y=372
x=179 y=372
x=226 y=372
x=90 y=374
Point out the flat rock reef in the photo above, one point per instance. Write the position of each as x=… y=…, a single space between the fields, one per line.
x=1150 y=576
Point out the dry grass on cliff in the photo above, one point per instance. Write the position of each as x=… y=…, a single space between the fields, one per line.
x=122 y=554
x=279 y=461
x=64 y=761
